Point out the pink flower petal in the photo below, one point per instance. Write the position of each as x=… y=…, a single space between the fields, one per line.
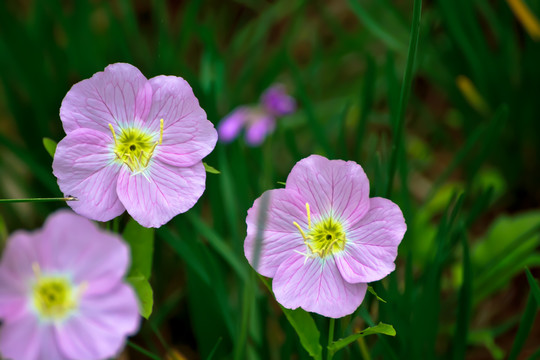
x=372 y=243
x=21 y=339
x=115 y=96
x=99 y=329
x=280 y=237
x=85 y=167
x=331 y=187
x=187 y=135
x=316 y=285
x=163 y=191
x=73 y=244
x=257 y=131
x=13 y=298
x=232 y=124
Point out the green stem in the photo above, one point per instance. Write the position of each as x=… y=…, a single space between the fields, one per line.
x=330 y=353
x=364 y=349
x=405 y=92
x=69 y=198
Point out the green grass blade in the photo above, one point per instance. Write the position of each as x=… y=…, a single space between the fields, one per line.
x=535 y=289
x=404 y=96
x=525 y=326
x=373 y=26
x=459 y=344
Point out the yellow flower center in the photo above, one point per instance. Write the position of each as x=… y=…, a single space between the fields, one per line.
x=134 y=147
x=325 y=238
x=55 y=297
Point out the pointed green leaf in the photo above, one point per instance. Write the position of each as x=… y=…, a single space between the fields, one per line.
x=210 y=169
x=50 y=146
x=535 y=289
x=370 y=289
x=144 y=293
x=380 y=328
x=305 y=327
x=141 y=244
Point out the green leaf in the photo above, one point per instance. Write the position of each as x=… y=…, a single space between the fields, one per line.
x=535 y=289
x=281 y=183
x=305 y=327
x=141 y=244
x=370 y=289
x=210 y=169
x=144 y=292
x=50 y=146
x=380 y=328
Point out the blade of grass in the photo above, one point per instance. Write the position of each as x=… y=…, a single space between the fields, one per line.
x=464 y=305
x=404 y=96
x=372 y=25
x=525 y=326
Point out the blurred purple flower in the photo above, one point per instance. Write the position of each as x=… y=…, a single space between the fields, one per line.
x=62 y=294
x=260 y=120
x=324 y=238
x=133 y=144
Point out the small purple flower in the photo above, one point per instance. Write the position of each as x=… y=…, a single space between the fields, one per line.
x=259 y=121
x=324 y=238
x=62 y=294
x=133 y=144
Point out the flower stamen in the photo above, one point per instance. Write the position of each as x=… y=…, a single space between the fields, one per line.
x=113 y=134
x=324 y=238
x=135 y=147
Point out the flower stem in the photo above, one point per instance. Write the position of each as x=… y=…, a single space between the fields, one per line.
x=363 y=349
x=69 y=198
x=329 y=353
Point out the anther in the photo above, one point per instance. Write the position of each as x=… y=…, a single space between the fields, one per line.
x=160 y=131
x=308 y=215
x=301 y=231
x=113 y=134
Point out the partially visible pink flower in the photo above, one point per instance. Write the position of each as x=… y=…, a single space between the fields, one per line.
x=324 y=238
x=62 y=294
x=132 y=144
x=260 y=120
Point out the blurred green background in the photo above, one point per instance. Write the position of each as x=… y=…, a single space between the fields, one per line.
x=467 y=167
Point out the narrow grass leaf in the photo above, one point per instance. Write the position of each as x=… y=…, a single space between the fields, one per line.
x=404 y=96
x=525 y=326
x=459 y=344
x=373 y=26
x=535 y=289
x=219 y=245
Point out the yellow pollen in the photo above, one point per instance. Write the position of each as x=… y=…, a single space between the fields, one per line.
x=55 y=297
x=326 y=237
x=135 y=147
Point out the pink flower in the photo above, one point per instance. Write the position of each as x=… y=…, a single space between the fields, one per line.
x=61 y=292
x=259 y=121
x=133 y=144
x=324 y=238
